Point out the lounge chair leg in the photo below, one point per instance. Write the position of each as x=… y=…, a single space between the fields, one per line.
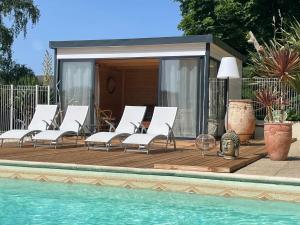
x=167 y=143
x=1 y=143
x=88 y=146
x=20 y=143
x=174 y=141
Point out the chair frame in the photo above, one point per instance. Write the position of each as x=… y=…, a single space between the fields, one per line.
x=147 y=148
x=29 y=134
x=107 y=146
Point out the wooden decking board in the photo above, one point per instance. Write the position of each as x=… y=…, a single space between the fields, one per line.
x=151 y=162
x=184 y=158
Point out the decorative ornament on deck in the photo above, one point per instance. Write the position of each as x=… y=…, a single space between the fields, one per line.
x=229 y=145
x=205 y=143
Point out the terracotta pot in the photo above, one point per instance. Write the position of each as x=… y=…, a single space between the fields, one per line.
x=278 y=139
x=241 y=119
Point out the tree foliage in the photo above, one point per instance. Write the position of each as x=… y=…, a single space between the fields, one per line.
x=231 y=20
x=15 y=15
x=13 y=73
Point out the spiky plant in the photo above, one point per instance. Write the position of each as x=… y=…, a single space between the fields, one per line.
x=270 y=99
x=278 y=61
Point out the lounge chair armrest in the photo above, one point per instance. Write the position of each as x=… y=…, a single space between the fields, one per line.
x=47 y=124
x=80 y=126
x=143 y=128
x=111 y=126
x=22 y=122
x=55 y=125
x=171 y=132
x=135 y=126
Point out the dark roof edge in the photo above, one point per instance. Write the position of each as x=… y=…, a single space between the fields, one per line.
x=208 y=38
x=132 y=41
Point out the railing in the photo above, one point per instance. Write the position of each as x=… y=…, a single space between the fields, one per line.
x=251 y=85
x=17 y=103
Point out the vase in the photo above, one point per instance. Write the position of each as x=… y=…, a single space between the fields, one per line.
x=278 y=139
x=241 y=119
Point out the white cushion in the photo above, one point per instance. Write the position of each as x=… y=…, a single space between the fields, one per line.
x=15 y=134
x=102 y=137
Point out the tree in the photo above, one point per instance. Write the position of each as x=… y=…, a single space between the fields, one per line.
x=231 y=20
x=15 y=15
x=14 y=18
x=13 y=73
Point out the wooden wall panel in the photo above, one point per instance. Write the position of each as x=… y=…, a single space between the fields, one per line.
x=135 y=85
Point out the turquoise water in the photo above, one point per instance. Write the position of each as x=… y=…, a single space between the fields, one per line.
x=29 y=202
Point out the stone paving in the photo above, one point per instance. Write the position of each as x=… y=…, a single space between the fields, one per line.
x=266 y=167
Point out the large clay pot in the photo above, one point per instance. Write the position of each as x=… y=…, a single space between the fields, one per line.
x=241 y=119
x=278 y=139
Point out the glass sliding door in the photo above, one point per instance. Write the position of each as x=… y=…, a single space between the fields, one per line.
x=178 y=87
x=76 y=86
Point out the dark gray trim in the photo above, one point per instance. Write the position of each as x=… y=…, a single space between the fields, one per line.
x=208 y=38
x=200 y=65
x=131 y=42
x=204 y=92
x=55 y=75
x=159 y=102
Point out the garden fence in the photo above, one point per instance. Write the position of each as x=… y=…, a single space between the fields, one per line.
x=17 y=103
x=251 y=85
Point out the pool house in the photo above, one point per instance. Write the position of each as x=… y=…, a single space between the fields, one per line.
x=163 y=71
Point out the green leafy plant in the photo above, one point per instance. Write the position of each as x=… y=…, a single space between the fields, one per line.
x=293 y=115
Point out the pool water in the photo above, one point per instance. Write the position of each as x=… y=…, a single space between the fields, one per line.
x=29 y=202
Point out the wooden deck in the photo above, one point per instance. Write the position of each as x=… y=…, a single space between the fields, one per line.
x=184 y=158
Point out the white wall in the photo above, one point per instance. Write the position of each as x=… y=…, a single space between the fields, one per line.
x=189 y=49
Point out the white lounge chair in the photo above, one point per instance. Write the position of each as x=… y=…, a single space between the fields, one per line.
x=129 y=124
x=160 y=128
x=41 y=120
x=71 y=125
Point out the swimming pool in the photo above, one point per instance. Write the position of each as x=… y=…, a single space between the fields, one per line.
x=29 y=202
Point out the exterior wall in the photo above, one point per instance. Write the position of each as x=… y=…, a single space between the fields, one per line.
x=158 y=51
x=235 y=85
x=192 y=49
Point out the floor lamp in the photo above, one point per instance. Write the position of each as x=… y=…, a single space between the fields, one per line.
x=228 y=70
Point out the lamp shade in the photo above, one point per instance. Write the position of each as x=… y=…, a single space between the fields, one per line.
x=228 y=68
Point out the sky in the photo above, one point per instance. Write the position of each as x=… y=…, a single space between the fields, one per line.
x=94 y=20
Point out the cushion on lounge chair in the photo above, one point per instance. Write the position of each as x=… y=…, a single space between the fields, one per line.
x=69 y=124
x=131 y=115
x=162 y=120
x=43 y=115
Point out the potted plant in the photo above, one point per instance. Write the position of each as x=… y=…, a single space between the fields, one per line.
x=276 y=60
x=277 y=132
